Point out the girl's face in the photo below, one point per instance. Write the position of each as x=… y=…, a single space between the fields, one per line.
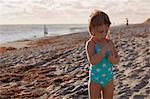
x=100 y=32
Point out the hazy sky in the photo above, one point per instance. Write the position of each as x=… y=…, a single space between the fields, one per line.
x=71 y=11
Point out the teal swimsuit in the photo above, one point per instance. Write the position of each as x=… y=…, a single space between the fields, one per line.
x=101 y=72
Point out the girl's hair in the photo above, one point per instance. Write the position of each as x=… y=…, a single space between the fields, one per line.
x=98 y=18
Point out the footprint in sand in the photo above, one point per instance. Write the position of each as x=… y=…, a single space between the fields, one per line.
x=139 y=86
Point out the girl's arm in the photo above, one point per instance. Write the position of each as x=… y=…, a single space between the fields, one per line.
x=113 y=57
x=93 y=57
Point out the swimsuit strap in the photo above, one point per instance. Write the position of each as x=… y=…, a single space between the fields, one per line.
x=97 y=47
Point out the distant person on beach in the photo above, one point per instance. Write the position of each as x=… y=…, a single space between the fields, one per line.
x=102 y=55
x=127 y=21
x=45 y=31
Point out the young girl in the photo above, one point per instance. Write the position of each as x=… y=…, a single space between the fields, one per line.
x=101 y=55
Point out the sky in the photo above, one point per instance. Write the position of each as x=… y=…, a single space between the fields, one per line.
x=71 y=11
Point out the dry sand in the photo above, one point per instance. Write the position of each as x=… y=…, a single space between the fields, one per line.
x=57 y=67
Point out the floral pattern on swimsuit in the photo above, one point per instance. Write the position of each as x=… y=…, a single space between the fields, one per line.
x=101 y=72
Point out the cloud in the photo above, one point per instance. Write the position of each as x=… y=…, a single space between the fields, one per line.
x=71 y=10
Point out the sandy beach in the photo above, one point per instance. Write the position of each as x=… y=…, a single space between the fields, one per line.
x=57 y=68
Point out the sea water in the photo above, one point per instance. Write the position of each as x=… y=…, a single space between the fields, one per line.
x=9 y=33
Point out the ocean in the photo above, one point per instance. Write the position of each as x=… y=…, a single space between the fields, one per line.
x=9 y=33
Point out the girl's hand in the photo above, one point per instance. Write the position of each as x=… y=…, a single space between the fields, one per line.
x=108 y=47
x=113 y=57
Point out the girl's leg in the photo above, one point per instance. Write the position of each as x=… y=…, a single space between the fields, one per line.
x=108 y=90
x=94 y=90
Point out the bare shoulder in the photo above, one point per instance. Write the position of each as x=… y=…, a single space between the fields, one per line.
x=110 y=41
x=89 y=49
x=89 y=44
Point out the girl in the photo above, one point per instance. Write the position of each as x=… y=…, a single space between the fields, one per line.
x=101 y=55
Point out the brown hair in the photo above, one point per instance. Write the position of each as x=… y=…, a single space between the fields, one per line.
x=98 y=18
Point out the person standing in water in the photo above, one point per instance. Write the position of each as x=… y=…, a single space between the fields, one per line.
x=45 y=31
x=102 y=55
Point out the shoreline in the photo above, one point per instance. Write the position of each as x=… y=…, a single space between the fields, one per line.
x=25 y=43
x=16 y=44
x=36 y=38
